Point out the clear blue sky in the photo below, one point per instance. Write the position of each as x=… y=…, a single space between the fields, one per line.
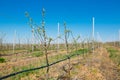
x=77 y=14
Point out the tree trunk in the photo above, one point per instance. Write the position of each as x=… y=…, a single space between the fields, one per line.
x=47 y=61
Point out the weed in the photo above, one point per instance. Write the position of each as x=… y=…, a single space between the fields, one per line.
x=2 y=60
x=114 y=55
x=37 y=54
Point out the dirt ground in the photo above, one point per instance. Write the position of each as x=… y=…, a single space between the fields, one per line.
x=97 y=66
x=92 y=66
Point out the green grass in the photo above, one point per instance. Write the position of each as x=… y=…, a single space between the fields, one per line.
x=63 y=56
x=2 y=60
x=41 y=63
x=114 y=55
x=37 y=54
x=81 y=51
x=19 y=76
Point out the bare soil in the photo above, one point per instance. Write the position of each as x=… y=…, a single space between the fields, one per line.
x=97 y=66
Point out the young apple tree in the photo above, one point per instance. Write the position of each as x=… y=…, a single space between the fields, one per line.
x=40 y=35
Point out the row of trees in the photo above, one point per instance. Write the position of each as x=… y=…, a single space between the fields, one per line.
x=45 y=41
